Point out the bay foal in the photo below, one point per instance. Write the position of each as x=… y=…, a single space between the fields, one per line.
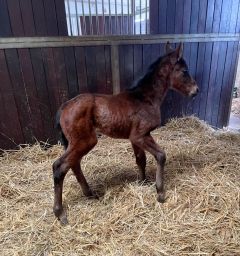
x=132 y=115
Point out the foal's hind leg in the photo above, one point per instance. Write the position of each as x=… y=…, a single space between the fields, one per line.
x=84 y=148
x=60 y=169
x=140 y=160
x=82 y=181
x=70 y=159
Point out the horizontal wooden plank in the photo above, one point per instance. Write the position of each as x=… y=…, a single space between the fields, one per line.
x=33 y=42
x=118 y=37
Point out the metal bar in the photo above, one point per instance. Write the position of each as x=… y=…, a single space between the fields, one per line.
x=97 y=21
x=69 y=16
x=84 y=20
x=133 y=12
x=146 y=10
x=116 y=17
x=33 y=42
x=110 y=17
x=77 y=17
x=90 y=18
x=128 y=18
x=103 y=16
x=121 y=17
x=140 y=17
x=115 y=69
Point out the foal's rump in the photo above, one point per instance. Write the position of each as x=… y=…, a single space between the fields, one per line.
x=76 y=117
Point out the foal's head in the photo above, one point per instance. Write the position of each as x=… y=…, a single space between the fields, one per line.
x=177 y=73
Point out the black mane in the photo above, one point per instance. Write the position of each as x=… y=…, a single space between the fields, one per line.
x=147 y=78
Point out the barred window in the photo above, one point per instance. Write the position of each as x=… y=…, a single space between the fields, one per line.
x=107 y=17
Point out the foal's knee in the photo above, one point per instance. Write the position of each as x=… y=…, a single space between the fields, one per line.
x=161 y=158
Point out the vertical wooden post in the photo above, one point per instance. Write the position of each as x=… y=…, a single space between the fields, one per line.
x=115 y=68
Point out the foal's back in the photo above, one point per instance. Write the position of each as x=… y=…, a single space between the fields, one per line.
x=111 y=115
x=114 y=115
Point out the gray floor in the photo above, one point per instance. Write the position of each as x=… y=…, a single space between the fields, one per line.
x=234 y=122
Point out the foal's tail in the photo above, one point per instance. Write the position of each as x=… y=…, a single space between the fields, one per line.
x=62 y=137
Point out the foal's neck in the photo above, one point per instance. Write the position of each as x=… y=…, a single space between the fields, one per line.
x=156 y=91
x=160 y=88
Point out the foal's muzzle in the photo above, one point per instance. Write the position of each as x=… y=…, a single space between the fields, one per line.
x=194 y=93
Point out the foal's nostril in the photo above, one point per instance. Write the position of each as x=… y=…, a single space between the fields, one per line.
x=194 y=95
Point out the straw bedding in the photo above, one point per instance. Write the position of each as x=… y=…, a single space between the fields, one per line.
x=201 y=215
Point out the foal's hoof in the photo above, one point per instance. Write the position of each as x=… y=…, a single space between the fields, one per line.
x=161 y=197
x=91 y=194
x=63 y=219
x=61 y=215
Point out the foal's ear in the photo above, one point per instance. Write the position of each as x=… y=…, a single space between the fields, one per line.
x=179 y=51
x=168 y=47
x=177 y=54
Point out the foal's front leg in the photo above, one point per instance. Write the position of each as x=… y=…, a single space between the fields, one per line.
x=147 y=143
x=140 y=160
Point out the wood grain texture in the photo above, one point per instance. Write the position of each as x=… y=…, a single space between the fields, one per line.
x=38 y=80
x=19 y=91
x=5 y=31
x=11 y=130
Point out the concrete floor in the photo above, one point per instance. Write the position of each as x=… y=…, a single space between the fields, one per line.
x=234 y=122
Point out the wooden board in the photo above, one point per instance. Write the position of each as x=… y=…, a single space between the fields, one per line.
x=15 y=17
x=90 y=54
x=5 y=31
x=71 y=72
x=19 y=92
x=43 y=94
x=11 y=129
x=205 y=80
x=39 y=18
x=27 y=17
x=37 y=81
x=32 y=94
x=81 y=69
x=101 y=75
x=126 y=60
x=51 y=17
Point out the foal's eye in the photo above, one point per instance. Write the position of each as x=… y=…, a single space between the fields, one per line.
x=185 y=72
